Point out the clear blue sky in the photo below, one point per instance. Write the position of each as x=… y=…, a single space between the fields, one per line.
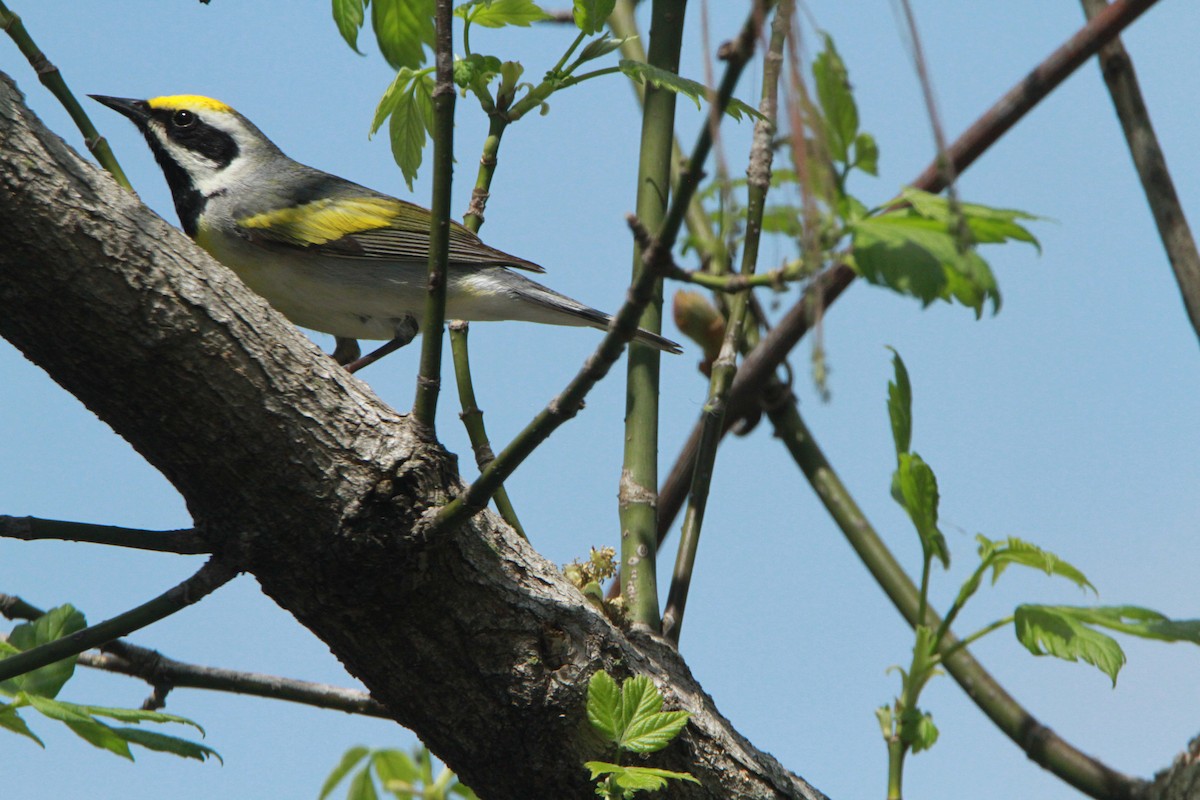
x=1070 y=418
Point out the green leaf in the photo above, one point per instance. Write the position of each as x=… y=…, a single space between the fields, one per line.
x=45 y=681
x=498 y=13
x=591 y=15
x=395 y=765
x=163 y=743
x=987 y=225
x=362 y=787
x=653 y=732
x=604 y=706
x=665 y=79
x=918 y=494
x=403 y=28
x=137 y=715
x=598 y=48
x=1137 y=621
x=91 y=731
x=838 y=109
x=397 y=89
x=639 y=701
x=917 y=730
x=411 y=119
x=11 y=720
x=349 y=16
x=866 y=154
x=637 y=779
x=349 y=759
x=1057 y=631
x=900 y=405
x=1001 y=553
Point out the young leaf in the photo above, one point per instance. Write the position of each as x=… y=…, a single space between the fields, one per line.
x=1137 y=621
x=167 y=744
x=392 y=96
x=403 y=28
x=1056 y=631
x=46 y=681
x=10 y=719
x=598 y=48
x=348 y=762
x=987 y=225
x=362 y=787
x=839 y=111
x=1000 y=554
x=900 y=405
x=866 y=154
x=919 y=732
x=136 y=715
x=640 y=701
x=653 y=732
x=590 y=15
x=635 y=779
x=395 y=765
x=918 y=491
x=498 y=13
x=349 y=16
x=664 y=79
x=91 y=731
x=604 y=706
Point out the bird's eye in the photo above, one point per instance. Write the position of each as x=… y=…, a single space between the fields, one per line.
x=183 y=118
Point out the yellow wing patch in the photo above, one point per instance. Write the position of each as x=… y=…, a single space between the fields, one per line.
x=326 y=220
x=175 y=102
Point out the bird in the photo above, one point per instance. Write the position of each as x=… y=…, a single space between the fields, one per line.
x=329 y=254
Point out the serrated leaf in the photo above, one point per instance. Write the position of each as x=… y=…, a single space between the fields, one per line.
x=362 y=787
x=838 y=109
x=498 y=13
x=640 y=701
x=11 y=720
x=349 y=16
x=636 y=779
x=665 y=79
x=1002 y=553
x=90 y=730
x=45 y=681
x=1137 y=621
x=604 y=705
x=403 y=28
x=653 y=732
x=918 y=491
x=987 y=225
x=349 y=759
x=397 y=89
x=137 y=715
x=591 y=15
x=900 y=405
x=406 y=130
x=598 y=48
x=162 y=743
x=1055 y=631
x=395 y=765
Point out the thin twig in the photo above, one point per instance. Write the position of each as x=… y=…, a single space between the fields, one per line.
x=184 y=541
x=725 y=365
x=1151 y=164
x=164 y=674
x=52 y=79
x=211 y=576
x=429 y=376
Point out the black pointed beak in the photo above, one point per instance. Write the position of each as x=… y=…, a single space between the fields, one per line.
x=136 y=110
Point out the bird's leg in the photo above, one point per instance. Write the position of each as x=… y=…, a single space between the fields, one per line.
x=406 y=331
x=345 y=351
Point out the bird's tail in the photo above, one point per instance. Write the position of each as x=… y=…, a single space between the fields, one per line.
x=540 y=304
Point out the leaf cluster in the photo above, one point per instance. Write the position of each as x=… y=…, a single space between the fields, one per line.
x=403 y=775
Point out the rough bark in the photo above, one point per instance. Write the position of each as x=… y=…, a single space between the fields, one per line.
x=295 y=472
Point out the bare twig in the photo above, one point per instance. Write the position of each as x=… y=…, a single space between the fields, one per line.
x=184 y=542
x=210 y=577
x=1151 y=164
x=164 y=674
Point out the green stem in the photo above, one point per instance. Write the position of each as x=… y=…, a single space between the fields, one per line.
x=974 y=637
x=557 y=68
x=725 y=365
x=639 y=475
x=52 y=79
x=1039 y=742
x=211 y=576
x=434 y=319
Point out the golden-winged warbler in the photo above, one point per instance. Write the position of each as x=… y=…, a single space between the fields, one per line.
x=329 y=254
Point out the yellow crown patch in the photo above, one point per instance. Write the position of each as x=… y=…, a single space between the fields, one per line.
x=190 y=101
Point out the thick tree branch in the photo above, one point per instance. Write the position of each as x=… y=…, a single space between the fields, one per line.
x=298 y=473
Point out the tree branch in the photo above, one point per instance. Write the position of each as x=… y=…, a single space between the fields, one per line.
x=184 y=542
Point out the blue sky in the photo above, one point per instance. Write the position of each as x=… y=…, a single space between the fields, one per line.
x=1069 y=419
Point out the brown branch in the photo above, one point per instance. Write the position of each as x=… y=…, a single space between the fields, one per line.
x=1151 y=165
